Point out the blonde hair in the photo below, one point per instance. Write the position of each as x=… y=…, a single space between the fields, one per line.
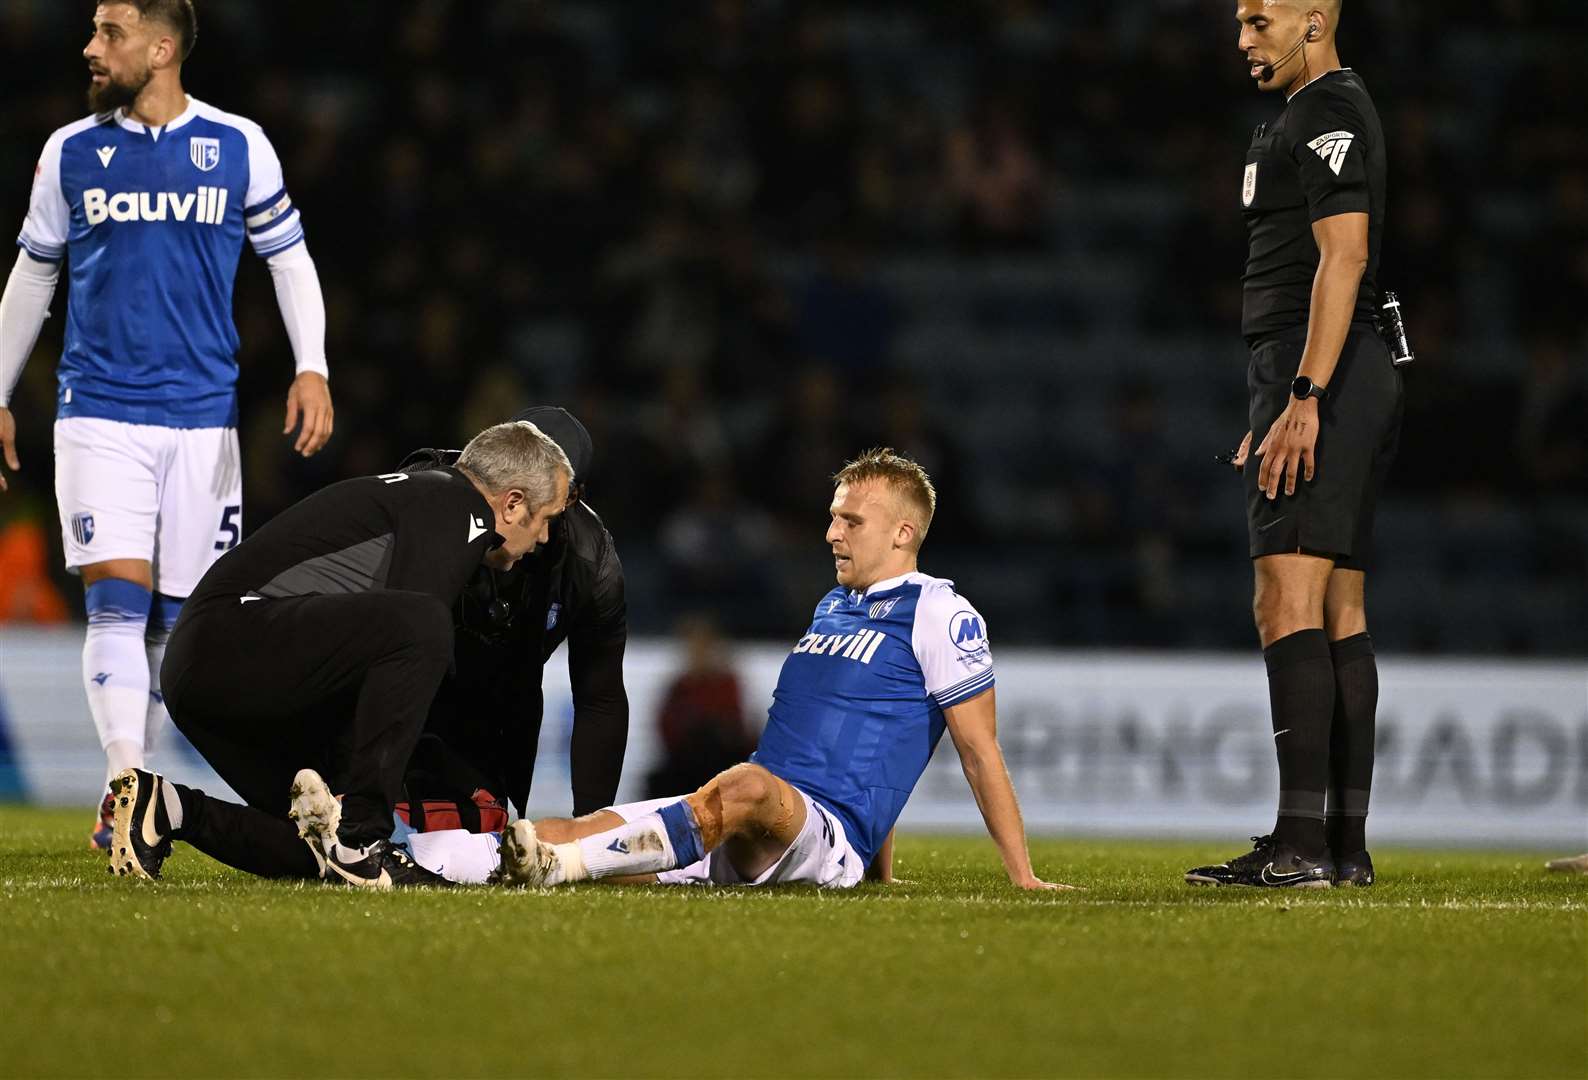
x=903 y=475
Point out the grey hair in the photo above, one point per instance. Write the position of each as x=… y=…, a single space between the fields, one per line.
x=519 y=455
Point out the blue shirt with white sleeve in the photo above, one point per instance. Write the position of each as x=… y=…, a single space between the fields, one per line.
x=152 y=221
x=858 y=708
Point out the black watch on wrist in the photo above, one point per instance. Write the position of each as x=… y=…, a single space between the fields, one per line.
x=1304 y=388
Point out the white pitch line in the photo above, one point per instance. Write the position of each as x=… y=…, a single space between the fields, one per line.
x=1299 y=899
x=1292 y=903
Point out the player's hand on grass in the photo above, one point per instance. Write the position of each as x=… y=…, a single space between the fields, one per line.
x=1242 y=453
x=1287 y=449
x=8 y=440
x=310 y=399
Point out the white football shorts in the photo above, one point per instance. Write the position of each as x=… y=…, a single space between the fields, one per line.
x=819 y=855
x=170 y=496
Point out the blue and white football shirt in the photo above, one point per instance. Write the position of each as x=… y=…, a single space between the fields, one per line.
x=153 y=221
x=859 y=704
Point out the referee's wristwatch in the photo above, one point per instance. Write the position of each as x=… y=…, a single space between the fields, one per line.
x=1304 y=388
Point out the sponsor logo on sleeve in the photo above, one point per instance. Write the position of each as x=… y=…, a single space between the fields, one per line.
x=1249 y=185
x=1332 y=148
x=969 y=635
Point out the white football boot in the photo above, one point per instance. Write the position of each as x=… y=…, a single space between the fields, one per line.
x=529 y=860
x=317 y=812
x=138 y=845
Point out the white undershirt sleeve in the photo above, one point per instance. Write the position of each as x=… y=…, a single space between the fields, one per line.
x=23 y=309
x=302 y=306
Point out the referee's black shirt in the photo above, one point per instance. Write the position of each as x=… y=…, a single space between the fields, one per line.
x=422 y=532
x=1322 y=156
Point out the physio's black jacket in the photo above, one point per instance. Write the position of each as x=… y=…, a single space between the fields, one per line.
x=488 y=712
x=1323 y=155
x=425 y=531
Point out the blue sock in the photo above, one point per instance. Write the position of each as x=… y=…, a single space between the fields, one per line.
x=683 y=832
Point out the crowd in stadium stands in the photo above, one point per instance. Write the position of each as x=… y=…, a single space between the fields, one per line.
x=744 y=239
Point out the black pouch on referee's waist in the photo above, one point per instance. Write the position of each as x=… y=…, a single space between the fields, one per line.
x=1392 y=328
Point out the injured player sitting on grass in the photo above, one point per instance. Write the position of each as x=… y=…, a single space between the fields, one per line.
x=892 y=658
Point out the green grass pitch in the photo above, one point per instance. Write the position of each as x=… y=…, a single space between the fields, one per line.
x=1457 y=964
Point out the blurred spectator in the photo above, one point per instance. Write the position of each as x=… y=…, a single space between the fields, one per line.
x=996 y=177
x=701 y=722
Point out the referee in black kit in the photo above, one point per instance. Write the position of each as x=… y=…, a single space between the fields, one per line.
x=319 y=642
x=485 y=722
x=1325 y=402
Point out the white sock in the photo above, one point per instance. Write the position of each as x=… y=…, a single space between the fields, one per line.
x=464 y=857
x=155 y=715
x=116 y=670
x=173 y=804
x=570 y=864
x=120 y=755
x=640 y=846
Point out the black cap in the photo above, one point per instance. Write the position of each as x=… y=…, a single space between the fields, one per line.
x=564 y=429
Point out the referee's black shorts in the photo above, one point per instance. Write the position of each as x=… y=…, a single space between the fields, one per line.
x=1359 y=433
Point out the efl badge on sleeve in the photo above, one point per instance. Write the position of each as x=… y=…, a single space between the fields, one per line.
x=1249 y=185
x=206 y=153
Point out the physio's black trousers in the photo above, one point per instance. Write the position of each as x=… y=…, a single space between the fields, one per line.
x=339 y=683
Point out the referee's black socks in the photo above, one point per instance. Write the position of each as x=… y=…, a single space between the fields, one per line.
x=1351 y=742
x=1302 y=695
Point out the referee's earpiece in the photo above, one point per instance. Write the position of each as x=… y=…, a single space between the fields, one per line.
x=1312 y=31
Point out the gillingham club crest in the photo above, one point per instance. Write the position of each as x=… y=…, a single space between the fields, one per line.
x=206 y=153
x=1249 y=185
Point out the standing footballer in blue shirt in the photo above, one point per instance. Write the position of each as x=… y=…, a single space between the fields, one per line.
x=149 y=200
x=891 y=659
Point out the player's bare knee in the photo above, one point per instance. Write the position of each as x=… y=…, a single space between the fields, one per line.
x=1279 y=611
x=726 y=804
x=747 y=785
x=1344 y=621
x=1344 y=605
x=760 y=804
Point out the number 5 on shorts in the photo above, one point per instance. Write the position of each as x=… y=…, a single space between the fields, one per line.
x=231 y=529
